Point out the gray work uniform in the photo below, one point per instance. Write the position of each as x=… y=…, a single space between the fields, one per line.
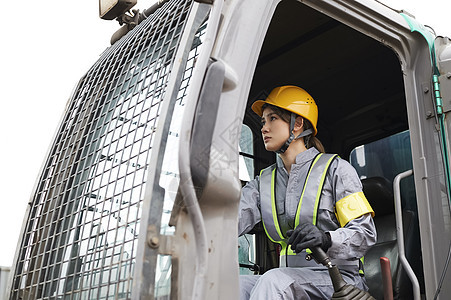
x=349 y=243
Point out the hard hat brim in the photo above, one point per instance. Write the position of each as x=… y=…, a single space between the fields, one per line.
x=257 y=107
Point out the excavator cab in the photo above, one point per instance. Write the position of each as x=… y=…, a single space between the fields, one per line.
x=138 y=195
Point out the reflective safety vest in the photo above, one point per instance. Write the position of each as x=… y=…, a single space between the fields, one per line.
x=307 y=211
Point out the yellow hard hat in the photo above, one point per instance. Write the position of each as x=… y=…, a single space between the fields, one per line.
x=291 y=98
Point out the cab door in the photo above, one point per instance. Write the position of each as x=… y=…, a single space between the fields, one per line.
x=369 y=69
x=427 y=90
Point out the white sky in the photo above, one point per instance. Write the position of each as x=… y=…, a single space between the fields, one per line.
x=45 y=49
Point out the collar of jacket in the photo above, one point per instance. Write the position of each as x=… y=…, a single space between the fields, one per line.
x=302 y=158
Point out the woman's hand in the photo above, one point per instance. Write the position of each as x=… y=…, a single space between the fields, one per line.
x=308 y=235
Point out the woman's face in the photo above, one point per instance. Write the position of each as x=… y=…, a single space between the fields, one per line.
x=275 y=131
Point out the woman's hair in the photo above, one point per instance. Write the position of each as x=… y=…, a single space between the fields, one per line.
x=285 y=115
x=310 y=140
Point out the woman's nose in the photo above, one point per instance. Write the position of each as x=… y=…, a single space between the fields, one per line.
x=264 y=128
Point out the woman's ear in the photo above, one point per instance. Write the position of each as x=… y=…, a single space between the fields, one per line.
x=299 y=123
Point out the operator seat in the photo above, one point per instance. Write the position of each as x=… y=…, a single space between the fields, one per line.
x=379 y=192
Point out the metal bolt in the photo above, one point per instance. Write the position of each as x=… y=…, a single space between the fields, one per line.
x=448 y=75
x=154 y=242
x=429 y=113
x=426 y=90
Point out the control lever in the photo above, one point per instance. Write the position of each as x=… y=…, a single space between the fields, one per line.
x=343 y=290
x=254 y=268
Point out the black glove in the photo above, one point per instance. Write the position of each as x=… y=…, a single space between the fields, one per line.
x=308 y=235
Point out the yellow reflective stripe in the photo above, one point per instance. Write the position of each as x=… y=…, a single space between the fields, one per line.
x=352 y=207
x=361 y=272
x=290 y=251
x=284 y=248
x=320 y=189
x=263 y=222
x=298 y=212
x=267 y=234
x=273 y=205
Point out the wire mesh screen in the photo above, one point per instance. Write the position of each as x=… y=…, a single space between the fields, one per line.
x=81 y=232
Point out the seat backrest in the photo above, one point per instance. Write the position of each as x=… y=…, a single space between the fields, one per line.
x=379 y=193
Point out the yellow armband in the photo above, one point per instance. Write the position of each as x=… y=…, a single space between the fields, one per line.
x=351 y=207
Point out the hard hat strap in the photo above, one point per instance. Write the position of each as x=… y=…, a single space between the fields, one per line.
x=292 y=137
x=305 y=133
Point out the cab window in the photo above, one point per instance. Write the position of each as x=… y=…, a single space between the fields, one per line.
x=246 y=243
x=387 y=158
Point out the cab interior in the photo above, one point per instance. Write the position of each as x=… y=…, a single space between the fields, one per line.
x=357 y=83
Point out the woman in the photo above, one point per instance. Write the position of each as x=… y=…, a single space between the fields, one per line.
x=307 y=199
